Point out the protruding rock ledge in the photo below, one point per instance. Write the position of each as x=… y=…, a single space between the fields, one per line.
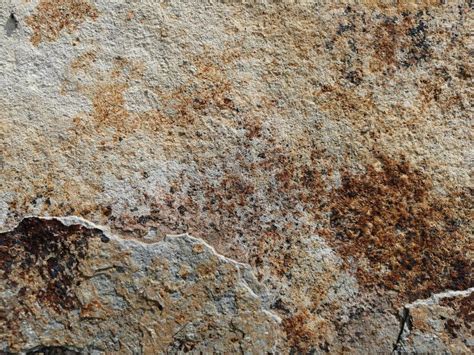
x=441 y=322
x=65 y=282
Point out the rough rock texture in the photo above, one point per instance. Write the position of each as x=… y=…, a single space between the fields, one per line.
x=323 y=150
x=67 y=283
x=443 y=322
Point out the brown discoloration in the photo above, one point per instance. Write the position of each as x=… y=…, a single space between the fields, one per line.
x=398 y=234
x=51 y=194
x=184 y=108
x=83 y=61
x=93 y=309
x=300 y=336
x=307 y=332
x=209 y=92
x=257 y=130
x=401 y=42
x=464 y=312
x=40 y=259
x=395 y=7
x=109 y=107
x=51 y=17
x=387 y=40
x=222 y=208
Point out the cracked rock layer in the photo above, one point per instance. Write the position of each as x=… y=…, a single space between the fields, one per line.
x=67 y=284
x=325 y=146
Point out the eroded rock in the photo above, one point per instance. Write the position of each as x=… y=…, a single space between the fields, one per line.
x=326 y=146
x=443 y=322
x=66 y=284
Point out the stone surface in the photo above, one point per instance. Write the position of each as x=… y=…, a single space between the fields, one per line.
x=67 y=283
x=322 y=150
x=442 y=322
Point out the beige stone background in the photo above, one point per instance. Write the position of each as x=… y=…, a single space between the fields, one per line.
x=236 y=177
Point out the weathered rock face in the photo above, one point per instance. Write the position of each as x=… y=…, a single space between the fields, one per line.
x=323 y=151
x=442 y=322
x=64 y=283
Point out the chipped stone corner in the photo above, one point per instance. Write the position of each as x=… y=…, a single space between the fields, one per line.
x=442 y=321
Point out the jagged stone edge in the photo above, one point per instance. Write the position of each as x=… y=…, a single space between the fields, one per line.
x=249 y=281
x=430 y=301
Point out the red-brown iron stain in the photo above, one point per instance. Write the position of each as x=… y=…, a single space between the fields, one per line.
x=109 y=106
x=40 y=258
x=208 y=91
x=228 y=206
x=83 y=61
x=402 y=41
x=387 y=38
x=464 y=313
x=399 y=235
x=181 y=109
x=300 y=336
x=51 y=17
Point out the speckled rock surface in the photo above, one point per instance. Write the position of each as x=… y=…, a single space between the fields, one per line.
x=320 y=153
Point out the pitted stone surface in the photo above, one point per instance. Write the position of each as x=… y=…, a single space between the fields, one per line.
x=326 y=146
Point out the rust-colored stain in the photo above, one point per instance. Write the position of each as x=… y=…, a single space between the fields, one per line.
x=40 y=259
x=464 y=312
x=256 y=194
x=109 y=106
x=208 y=92
x=300 y=335
x=396 y=6
x=83 y=61
x=51 y=17
x=398 y=234
x=403 y=42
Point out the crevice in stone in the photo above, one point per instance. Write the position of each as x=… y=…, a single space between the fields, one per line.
x=403 y=322
x=11 y=25
x=54 y=350
x=432 y=300
x=49 y=350
x=107 y=235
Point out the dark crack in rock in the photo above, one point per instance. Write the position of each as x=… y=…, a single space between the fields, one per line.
x=443 y=322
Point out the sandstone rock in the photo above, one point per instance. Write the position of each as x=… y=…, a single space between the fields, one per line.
x=322 y=149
